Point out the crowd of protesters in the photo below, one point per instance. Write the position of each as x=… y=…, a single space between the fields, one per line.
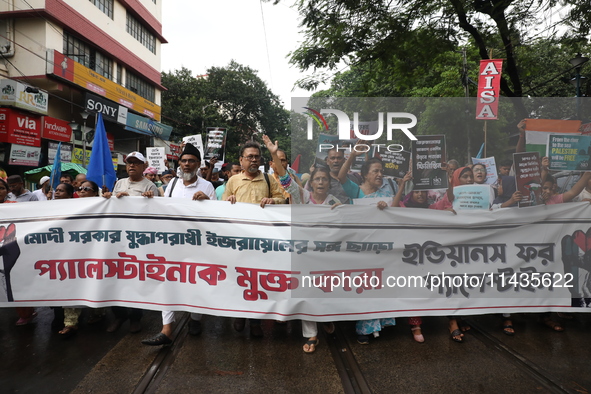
x=243 y=181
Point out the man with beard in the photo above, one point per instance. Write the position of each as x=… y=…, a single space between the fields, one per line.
x=187 y=185
x=252 y=186
x=135 y=185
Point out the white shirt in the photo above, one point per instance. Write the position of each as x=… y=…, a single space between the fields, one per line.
x=182 y=191
x=40 y=195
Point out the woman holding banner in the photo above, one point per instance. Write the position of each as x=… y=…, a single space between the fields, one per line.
x=320 y=183
x=372 y=175
x=372 y=186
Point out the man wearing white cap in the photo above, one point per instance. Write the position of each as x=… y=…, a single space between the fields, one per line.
x=41 y=193
x=136 y=184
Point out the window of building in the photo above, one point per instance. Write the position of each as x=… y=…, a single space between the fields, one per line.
x=106 y=6
x=140 y=86
x=82 y=53
x=140 y=33
x=119 y=78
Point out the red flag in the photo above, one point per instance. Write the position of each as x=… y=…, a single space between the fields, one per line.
x=296 y=164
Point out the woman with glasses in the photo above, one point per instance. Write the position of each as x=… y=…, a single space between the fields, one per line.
x=479 y=171
x=88 y=189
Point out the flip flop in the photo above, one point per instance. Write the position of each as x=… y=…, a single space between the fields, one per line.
x=456 y=336
x=311 y=342
x=507 y=327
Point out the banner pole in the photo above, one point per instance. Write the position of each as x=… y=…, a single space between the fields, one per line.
x=485 y=129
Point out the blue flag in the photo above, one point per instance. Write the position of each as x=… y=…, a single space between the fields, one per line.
x=479 y=155
x=100 y=168
x=56 y=170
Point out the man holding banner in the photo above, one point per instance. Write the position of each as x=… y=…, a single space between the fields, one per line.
x=187 y=185
x=252 y=186
x=135 y=185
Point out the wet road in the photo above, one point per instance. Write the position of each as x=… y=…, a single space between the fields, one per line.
x=34 y=359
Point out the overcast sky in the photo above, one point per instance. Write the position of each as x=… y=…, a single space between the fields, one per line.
x=203 y=33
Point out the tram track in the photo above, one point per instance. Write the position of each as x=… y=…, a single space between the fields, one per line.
x=349 y=370
x=546 y=379
x=164 y=360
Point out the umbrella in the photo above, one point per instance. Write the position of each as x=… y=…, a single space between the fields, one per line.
x=70 y=168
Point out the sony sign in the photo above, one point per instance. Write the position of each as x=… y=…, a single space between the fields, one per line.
x=109 y=109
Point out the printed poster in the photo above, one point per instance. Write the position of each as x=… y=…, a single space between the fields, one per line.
x=428 y=153
x=528 y=176
x=569 y=152
x=472 y=197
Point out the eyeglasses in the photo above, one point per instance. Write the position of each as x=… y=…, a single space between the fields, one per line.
x=189 y=161
x=85 y=188
x=252 y=157
x=478 y=169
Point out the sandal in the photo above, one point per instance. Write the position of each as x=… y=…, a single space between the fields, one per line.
x=417 y=337
x=548 y=322
x=328 y=327
x=312 y=343
x=68 y=331
x=457 y=336
x=508 y=328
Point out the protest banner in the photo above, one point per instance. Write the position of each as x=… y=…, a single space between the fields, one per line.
x=569 y=152
x=489 y=82
x=293 y=262
x=396 y=164
x=215 y=144
x=428 y=153
x=528 y=178
x=472 y=197
x=196 y=141
x=156 y=157
x=492 y=176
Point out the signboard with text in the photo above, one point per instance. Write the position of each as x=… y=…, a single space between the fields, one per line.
x=22 y=155
x=56 y=129
x=489 y=83
x=66 y=68
x=19 y=128
x=15 y=94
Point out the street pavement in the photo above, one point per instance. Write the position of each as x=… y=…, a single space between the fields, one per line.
x=34 y=359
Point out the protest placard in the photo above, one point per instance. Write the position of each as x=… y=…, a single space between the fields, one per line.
x=569 y=152
x=472 y=197
x=156 y=157
x=528 y=177
x=428 y=153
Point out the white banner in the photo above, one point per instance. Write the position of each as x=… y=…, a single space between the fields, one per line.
x=349 y=263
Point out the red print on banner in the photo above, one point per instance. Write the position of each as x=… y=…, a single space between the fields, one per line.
x=489 y=82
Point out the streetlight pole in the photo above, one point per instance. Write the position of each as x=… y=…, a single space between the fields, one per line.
x=577 y=63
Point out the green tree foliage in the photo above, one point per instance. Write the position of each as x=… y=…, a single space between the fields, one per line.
x=410 y=38
x=233 y=97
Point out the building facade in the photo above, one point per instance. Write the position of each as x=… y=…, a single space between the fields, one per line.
x=64 y=61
